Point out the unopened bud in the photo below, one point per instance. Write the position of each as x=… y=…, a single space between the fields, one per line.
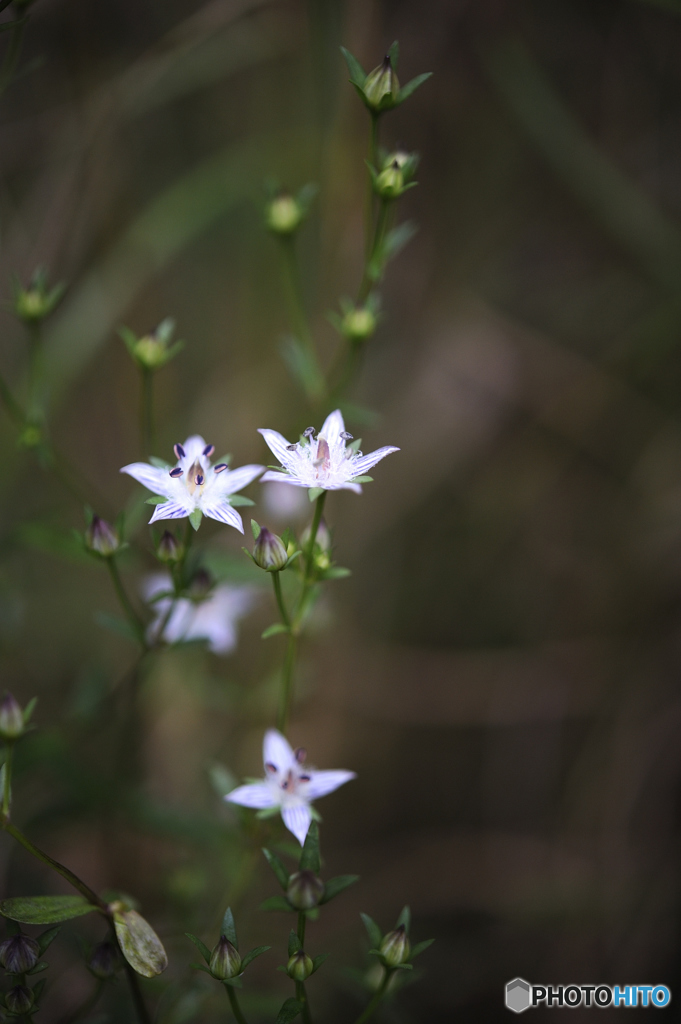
x=269 y=551
x=150 y=352
x=225 y=961
x=358 y=324
x=35 y=302
x=19 y=1000
x=381 y=87
x=299 y=966
x=201 y=585
x=395 y=947
x=11 y=718
x=399 y=158
x=390 y=182
x=19 y=954
x=168 y=549
x=103 y=961
x=284 y=214
x=101 y=538
x=304 y=890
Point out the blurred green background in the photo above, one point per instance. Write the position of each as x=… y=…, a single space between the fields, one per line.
x=502 y=669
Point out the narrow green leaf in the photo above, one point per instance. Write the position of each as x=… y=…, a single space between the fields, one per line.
x=29 y=709
x=406 y=90
x=278 y=868
x=255 y=528
x=47 y=937
x=258 y=951
x=276 y=903
x=42 y=965
x=201 y=967
x=45 y=909
x=404 y=967
x=373 y=931
x=404 y=918
x=394 y=54
x=362 y=479
x=420 y=947
x=336 y=572
x=156 y=499
x=319 y=960
x=233 y=982
x=273 y=630
x=310 y=859
x=239 y=499
x=229 y=928
x=159 y=463
x=397 y=238
x=294 y=943
x=201 y=946
x=195 y=518
x=355 y=69
x=289 y=1011
x=314 y=492
x=140 y=944
x=337 y=885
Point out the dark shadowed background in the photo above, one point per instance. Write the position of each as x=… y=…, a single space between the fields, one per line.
x=502 y=669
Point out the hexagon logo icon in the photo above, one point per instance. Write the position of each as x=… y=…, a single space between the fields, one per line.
x=518 y=995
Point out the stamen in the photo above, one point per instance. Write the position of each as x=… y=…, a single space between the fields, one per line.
x=291 y=447
x=220 y=468
x=347 y=436
x=199 y=479
x=304 y=778
x=176 y=472
x=300 y=755
x=359 y=454
x=208 y=450
x=309 y=432
x=179 y=451
x=270 y=768
x=284 y=785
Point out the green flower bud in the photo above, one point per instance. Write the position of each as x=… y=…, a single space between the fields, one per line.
x=19 y=954
x=381 y=87
x=34 y=303
x=299 y=966
x=284 y=214
x=169 y=550
x=103 y=961
x=19 y=1000
x=390 y=182
x=101 y=538
x=225 y=961
x=358 y=324
x=11 y=718
x=395 y=947
x=152 y=350
x=304 y=890
x=269 y=551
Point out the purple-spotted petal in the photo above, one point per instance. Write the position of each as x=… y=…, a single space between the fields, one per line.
x=257 y=794
x=149 y=476
x=322 y=783
x=276 y=750
x=223 y=513
x=367 y=462
x=332 y=428
x=169 y=510
x=277 y=445
x=297 y=820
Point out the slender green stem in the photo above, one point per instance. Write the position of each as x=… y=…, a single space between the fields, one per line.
x=370 y=197
x=280 y=599
x=35 y=373
x=309 y=556
x=313 y=378
x=147 y=411
x=287 y=683
x=179 y=582
x=301 y=927
x=65 y=872
x=234 y=1003
x=370 y=275
x=301 y=996
x=143 y=1014
x=132 y=616
x=7 y=788
x=376 y=999
x=14 y=410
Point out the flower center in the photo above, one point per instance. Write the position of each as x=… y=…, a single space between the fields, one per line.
x=196 y=477
x=323 y=461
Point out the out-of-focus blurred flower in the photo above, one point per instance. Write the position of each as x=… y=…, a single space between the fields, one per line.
x=101 y=538
x=288 y=784
x=169 y=550
x=37 y=301
x=212 y=619
x=357 y=323
x=324 y=461
x=154 y=350
x=285 y=212
x=12 y=722
x=194 y=487
x=103 y=961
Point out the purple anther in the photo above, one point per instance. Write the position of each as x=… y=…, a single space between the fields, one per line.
x=220 y=468
x=208 y=450
x=300 y=755
x=176 y=472
x=291 y=447
x=179 y=451
x=199 y=479
x=271 y=768
x=347 y=436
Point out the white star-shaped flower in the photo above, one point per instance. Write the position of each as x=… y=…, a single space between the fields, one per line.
x=194 y=484
x=288 y=784
x=323 y=461
x=213 y=619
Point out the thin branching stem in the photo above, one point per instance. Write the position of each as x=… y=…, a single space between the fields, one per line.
x=234 y=1003
x=376 y=999
x=276 y=581
x=147 y=411
x=7 y=788
x=133 y=618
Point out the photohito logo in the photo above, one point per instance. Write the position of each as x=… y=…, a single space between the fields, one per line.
x=520 y=995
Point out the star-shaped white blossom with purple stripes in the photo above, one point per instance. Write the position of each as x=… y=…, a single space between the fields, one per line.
x=324 y=461
x=194 y=484
x=288 y=784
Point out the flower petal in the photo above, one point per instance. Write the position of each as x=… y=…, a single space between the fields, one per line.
x=193 y=449
x=322 y=783
x=357 y=488
x=332 y=428
x=154 y=478
x=276 y=750
x=223 y=512
x=169 y=510
x=297 y=820
x=366 y=462
x=256 y=794
x=231 y=481
x=272 y=476
x=277 y=444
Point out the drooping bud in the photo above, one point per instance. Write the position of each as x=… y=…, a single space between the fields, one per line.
x=381 y=86
x=11 y=718
x=103 y=961
x=225 y=961
x=284 y=214
x=358 y=323
x=269 y=551
x=19 y=999
x=304 y=890
x=19 y=954
x=169 y=550
x=300 y=966
x=101 y=538
x=390 y=182
x=395 y=947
